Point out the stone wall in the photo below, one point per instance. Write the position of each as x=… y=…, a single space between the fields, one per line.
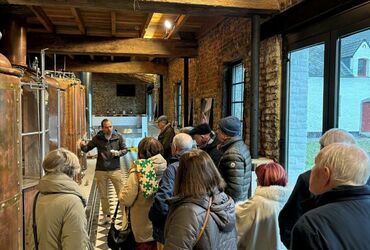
x=104 y=96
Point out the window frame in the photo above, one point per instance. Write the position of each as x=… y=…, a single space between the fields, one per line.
x=328 y=31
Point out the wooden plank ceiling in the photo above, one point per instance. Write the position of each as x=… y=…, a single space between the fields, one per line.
x=127 y=30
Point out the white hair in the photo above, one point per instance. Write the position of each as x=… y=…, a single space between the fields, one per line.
x=349 y=164
x=336 y=135
x=183 y=141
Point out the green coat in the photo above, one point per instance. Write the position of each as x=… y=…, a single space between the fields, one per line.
x=60 y=215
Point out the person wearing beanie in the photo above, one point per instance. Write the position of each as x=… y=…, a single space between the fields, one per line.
x=235 y=164
x=166 y=136
x=207 y=140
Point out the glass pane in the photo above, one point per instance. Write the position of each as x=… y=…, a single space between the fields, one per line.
x=237 y=110
x=305 y=109
x=354 y=87
x=237 y=93
x=238 y=75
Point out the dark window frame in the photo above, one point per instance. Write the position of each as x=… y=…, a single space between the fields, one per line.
x=328 y=31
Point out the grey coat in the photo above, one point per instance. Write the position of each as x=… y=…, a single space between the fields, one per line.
x=186 y=218
x=236 y=168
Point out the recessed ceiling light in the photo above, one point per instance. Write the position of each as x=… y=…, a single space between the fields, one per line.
x=167 y=24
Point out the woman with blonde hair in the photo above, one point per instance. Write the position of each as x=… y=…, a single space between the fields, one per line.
x=257 y=219
x=138 y=193
x=201 y=215
x=60 y=220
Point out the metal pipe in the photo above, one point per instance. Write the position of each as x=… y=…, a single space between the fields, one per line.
x=42 y=107
x=255 y=85
x=33 y=133
x=86 y=80
x=59 y=93
x=186 y=92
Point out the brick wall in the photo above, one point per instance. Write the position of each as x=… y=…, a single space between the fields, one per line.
x=105 y=98
x=270 y=97
x=229 y=42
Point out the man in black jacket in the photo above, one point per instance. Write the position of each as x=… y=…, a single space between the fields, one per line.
x=166 y=136
x=294 y=209
x=341 y=215
x=207 y=140
x=235 y=164
x=111 y=146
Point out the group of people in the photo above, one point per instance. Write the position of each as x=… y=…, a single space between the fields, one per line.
x=185 y=198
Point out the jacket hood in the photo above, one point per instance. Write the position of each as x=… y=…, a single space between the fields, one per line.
x=158 y=161
x=273 y=192
x=60 y=183
x=222 y=209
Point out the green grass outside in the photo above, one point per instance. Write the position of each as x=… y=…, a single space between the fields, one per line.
x=313 y=148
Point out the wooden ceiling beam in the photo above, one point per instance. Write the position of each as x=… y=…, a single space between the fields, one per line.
x=77 y=15
x=81 y=45
x=114 y=22
x=176 y=26
x=239 y=8
x=43 y=18
x=132 y=67
x=147 y=22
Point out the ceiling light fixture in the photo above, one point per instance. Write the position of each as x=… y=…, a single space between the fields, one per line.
x=167 y=24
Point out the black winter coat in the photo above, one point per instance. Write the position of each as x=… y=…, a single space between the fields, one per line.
x=236 y=168
x=212 y=149
x=165 y=138
x=106 y=161
x=186 y=218
x=341 y=220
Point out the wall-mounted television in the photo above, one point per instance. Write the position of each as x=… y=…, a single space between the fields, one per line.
x=126 y=90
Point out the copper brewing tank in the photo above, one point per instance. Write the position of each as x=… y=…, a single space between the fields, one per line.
x=74 y=126
x=10 y=165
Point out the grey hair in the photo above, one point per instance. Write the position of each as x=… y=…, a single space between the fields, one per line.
x=336 y=135
x=61 y=161
x=349 y=164
x=183 y=141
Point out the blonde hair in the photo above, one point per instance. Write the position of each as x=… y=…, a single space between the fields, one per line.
x=349 y=164
x=61 y=161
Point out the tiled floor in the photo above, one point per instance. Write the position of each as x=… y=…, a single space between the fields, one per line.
x=98 y=233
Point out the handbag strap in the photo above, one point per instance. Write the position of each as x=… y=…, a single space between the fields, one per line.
x=205 y=220
x=34 y=226
x=115 y=214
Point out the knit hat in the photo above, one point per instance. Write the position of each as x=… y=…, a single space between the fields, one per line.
x=230 y=126
x=162 y=118
x=201 y=129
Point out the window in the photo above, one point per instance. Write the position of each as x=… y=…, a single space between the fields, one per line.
x=354 y=91
x=236 y=89
x=362 y=67
x=179 y=104
x=305 y=108
x=326 y=86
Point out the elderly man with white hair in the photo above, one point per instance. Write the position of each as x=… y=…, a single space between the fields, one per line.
x=181 y=144
x=293 y=209
x=341 y=217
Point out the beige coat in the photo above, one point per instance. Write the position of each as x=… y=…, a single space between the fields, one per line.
x=132 y=197
x=60 y=215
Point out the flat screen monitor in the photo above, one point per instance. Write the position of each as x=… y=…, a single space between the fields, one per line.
x=125 y=90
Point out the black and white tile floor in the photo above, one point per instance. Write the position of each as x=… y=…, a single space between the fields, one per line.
x=98 y=235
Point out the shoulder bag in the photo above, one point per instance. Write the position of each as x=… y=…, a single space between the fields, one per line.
x=121 y=240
